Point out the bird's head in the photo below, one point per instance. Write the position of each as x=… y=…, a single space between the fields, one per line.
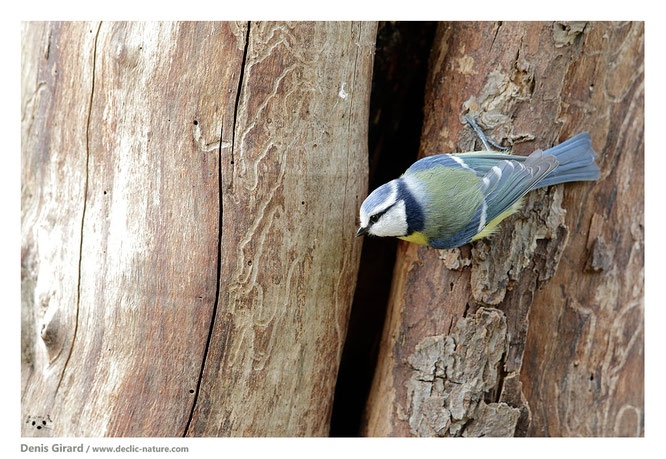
x=383 y=213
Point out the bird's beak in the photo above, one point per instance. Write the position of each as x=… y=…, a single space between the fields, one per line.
x=361 y=231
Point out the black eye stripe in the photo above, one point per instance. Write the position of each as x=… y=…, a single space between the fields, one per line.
x=377 y=216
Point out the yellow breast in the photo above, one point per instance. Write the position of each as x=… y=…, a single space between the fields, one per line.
x=416 y=237
x=492 y=226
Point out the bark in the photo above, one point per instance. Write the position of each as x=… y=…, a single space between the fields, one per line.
x=188 y=192
x=459 y=356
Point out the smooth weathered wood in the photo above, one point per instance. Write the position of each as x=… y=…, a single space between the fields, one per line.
x=292 y=184
x=56 y=81
x=129 y=350
x=126 y=210
x=453 y=358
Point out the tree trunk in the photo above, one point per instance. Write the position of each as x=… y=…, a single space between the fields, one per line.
x=188 y=195
x=457 y=356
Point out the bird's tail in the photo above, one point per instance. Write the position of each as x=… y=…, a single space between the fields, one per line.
x=576 y=159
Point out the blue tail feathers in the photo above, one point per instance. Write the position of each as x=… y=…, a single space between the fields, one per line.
x=576 y=159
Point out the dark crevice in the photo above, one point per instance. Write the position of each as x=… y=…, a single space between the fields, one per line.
x=396 y=117
x=238 y=95
x=217 y=291
x=83 y=214
x=49 y=41
x=501 y=376
x=219 y=236
x=497 y=29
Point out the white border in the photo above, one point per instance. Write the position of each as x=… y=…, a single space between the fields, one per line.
x=655 y=305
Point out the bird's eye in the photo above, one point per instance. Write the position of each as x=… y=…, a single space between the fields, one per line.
x=374 y=219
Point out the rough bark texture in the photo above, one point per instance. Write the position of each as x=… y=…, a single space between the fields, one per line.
x=583 y=370
x=572 y=259
x=188 y=192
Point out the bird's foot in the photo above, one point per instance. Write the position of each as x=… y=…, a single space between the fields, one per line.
x=485 y=140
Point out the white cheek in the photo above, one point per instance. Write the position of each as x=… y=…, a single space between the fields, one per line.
x=364 y=219
x=392 y=223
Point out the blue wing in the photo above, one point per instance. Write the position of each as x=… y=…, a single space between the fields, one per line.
x=505 y=179
x=510 y=180
x=503 y=184
x=575 y=157
x=446 y=160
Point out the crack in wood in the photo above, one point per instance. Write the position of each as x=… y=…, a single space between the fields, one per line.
x=219 y=236
x=497 y=29
x=237 y=102
x=83 y=215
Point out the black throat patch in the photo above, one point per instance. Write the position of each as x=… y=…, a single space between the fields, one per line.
x=415 y=217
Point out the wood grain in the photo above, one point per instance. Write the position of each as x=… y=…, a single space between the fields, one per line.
x=132 y=227
x=292 y=186
x=56 y=84
x=532 y=85
x=136 y=333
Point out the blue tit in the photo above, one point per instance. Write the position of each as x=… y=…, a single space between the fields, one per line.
x=448 y=200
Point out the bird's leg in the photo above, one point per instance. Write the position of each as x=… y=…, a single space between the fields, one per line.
x=486 y=141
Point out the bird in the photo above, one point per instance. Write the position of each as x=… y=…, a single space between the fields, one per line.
x=448 y=200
